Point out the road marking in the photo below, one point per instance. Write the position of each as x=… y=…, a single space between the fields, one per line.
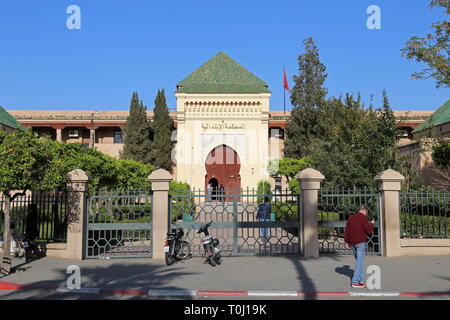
x=374 y=294
x=220 y=293
x=153 y=292
x=82 y=290
x=273 y=293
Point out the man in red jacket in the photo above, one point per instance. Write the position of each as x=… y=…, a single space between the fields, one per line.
x=356 y=231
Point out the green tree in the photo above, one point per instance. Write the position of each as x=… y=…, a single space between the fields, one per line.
x=307 y=97
x=263 y=189
x=132 y=175
x=138 y=135
x=162 y=126
x=433 y=49
x=357 y=143
x=288 y=167
x=441 y=155
x=25 y=164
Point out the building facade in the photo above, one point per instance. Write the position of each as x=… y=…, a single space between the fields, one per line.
x=225 y=132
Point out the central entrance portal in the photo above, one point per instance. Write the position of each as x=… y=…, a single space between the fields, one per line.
x=222 y=170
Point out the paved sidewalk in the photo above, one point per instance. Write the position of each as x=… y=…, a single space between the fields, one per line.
x=329 y=273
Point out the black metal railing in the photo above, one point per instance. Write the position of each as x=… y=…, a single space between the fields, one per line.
x=335 y=207
x=425 y=214
x=40 y=215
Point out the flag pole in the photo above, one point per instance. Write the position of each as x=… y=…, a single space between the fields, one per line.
x=284 y=91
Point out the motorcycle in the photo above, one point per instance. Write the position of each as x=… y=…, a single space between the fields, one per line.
x=20 y=244
x=176 y=249
x=210 y=245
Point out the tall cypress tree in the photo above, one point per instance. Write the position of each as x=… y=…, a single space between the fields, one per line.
x=162 y=127
x=308 y=98
x=137 y=143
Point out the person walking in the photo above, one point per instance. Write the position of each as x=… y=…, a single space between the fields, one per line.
x=355 y=235
x=222 y=193
x=264 y=211
x=210 y=189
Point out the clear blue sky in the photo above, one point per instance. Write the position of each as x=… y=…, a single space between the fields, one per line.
x=145 y=45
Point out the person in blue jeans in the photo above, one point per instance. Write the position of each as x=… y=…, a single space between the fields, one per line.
x=264 y=211
x=356 y=231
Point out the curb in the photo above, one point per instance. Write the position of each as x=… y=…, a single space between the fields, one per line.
x=9 y=286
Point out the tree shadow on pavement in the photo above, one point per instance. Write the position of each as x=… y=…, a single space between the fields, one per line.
x=139 y=277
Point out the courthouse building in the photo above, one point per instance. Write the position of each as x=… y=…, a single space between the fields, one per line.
x=226 y=132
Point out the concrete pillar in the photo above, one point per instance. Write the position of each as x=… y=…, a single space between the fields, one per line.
x=92 y=137
x=160 y=180
x=389 y=185
x=309 y=180
x=59 y=134
x=77 y=185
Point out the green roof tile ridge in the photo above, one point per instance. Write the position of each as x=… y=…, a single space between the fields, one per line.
x=440 y=116
x=8 y=120
x=222 y=74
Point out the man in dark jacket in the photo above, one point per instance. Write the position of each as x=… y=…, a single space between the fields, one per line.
x=263 y=214
x=356 y=231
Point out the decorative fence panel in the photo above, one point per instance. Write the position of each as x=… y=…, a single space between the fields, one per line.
x=119 y=224
x=42 y=215
x=335 y=206
x=425 y=214
x=235 y=222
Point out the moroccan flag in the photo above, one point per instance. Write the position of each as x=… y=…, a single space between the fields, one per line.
x=286 y=86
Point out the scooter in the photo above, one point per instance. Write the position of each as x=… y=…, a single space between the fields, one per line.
x=210 y=245
x=176 y=249
x=20 y=244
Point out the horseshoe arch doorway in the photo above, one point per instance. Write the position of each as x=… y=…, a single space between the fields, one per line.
x=223 y=165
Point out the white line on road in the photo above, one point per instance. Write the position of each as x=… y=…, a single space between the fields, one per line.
x=273 y=293
x=374 y=294
x=82 y=290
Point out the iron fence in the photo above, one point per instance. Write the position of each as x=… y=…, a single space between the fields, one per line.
x=335 y=206
x=42 y=215
x=119 y=224
x=235 y=222
x=425 y=214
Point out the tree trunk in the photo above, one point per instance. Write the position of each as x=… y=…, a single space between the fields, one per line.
x=6 y=268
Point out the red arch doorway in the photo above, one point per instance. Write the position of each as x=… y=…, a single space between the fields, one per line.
x=222 y=168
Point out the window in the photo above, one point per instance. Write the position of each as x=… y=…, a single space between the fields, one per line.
x=73 y=133
x=278 y=184
x=276 y=133
x=118 y=136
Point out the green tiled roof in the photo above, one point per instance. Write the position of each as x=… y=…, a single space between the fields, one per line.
x=222 y=74
x=440 y=116
x=8 y=120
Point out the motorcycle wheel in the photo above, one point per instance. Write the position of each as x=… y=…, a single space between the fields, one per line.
x=218 y=259
x=184 y=251
x=169 y=258
x=27 y=254
x=212 y=260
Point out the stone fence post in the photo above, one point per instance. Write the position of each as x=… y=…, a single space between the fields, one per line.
x=77 y=185
x=160 y=180
x=389 y=185
x=309 y=180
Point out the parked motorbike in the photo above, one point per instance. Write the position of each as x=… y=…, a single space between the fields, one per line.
x=20 y=244
x=211 y=251
x=176 y=249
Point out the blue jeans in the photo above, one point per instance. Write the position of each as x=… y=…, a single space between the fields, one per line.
x=264 y=231
x=359 y=251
